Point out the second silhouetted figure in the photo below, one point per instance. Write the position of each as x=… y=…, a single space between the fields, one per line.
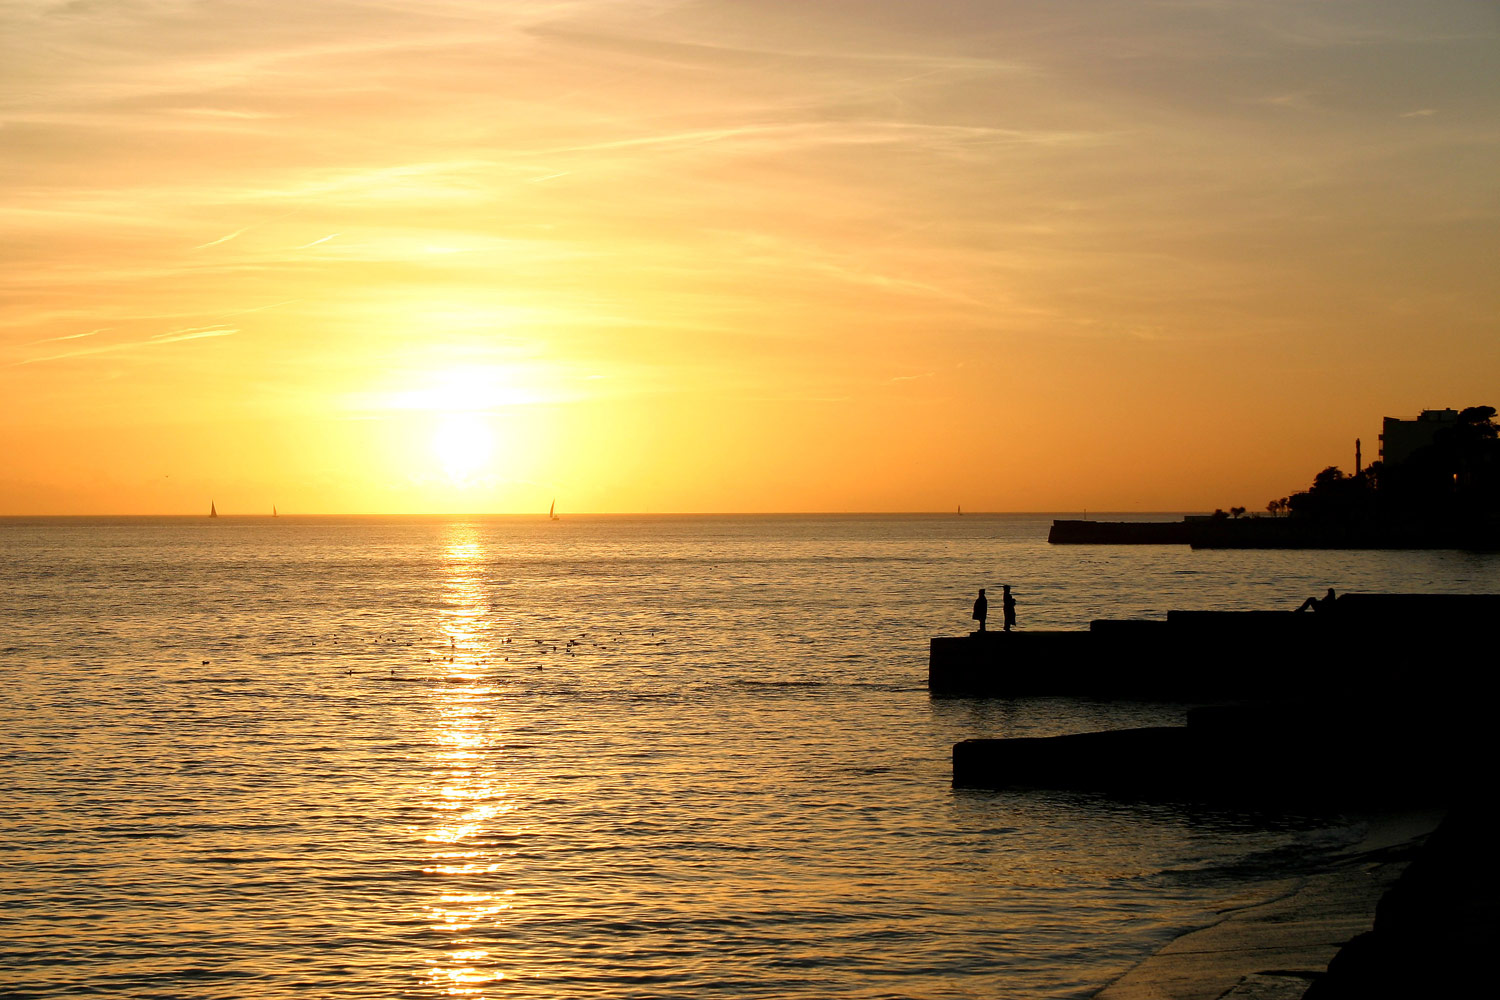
x=981 y=609
x=1313 y=604
x=1008 y=605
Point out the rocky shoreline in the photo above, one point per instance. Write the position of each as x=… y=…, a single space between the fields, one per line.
x=1434 y=928
x=1409 y=912
x=1276 y=949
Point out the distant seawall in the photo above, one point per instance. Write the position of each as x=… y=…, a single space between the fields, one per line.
x=1206 y=532
x=1119 y=533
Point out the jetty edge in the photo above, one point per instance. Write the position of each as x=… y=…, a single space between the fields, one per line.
x=1372 y=701
x=1313 y=755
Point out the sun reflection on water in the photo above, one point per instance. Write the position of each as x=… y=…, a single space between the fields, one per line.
x=466 y=799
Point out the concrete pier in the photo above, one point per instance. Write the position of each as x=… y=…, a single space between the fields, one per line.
x=1187 y=660
x=1367 y=640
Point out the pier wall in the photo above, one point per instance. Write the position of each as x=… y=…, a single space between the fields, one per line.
x=1367 y=640
x=1366 y=750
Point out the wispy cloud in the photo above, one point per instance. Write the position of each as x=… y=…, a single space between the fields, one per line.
x=193 y=333
x=73 y=336
x=170 y=337
x=238 y=115
x=222 y=239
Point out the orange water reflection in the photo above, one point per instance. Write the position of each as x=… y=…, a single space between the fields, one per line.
x=466 y=797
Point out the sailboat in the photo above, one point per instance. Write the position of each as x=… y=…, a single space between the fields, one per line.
x=212 y=510
x=960 y=510
x=273 y=511
x=552 y=511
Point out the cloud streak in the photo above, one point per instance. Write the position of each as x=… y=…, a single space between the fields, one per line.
x=72 y=336
x=170 y=337
x=222 y=239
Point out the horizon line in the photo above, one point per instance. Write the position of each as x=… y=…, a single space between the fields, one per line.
x=638 y=513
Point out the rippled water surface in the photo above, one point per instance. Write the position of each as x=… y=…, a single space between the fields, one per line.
x=623 y=757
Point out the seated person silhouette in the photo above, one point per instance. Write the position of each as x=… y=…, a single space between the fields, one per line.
x=1313 y=604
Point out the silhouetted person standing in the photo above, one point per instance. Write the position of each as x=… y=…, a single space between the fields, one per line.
x=1008 y=605
x=981 y=609
x=1313 y=604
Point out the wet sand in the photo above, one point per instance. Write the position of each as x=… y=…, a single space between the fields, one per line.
x=1273 y=949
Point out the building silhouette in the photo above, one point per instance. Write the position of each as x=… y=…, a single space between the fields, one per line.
x=1400 y=438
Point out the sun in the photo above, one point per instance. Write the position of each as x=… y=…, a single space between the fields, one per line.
x=463 y=446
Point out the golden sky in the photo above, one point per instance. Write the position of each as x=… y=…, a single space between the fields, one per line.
x=649 y=255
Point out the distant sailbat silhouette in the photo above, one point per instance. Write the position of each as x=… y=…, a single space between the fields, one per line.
x=552 y=511
x=273 y=511
x=960 y=510
x=212 y=510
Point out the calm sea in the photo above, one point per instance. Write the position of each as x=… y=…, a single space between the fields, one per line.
x=602 y=756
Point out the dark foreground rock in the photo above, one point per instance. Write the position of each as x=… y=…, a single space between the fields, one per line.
x=1435 y=929
x=1271 y=943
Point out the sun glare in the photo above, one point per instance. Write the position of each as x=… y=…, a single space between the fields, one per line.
x=463 y=446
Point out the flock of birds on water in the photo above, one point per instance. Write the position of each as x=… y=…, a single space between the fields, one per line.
x=569 y=648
